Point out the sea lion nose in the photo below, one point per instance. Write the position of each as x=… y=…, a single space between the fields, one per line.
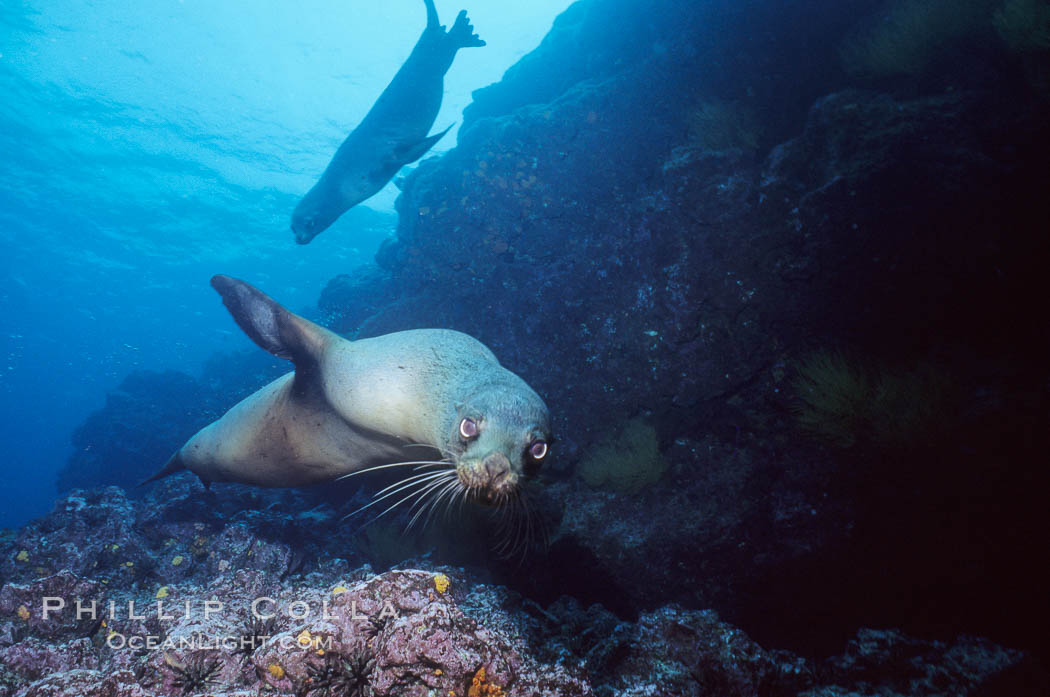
x=496 y=468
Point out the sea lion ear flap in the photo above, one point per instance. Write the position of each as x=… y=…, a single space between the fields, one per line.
x=271 y=326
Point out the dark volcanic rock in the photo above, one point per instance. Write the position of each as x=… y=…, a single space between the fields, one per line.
x=775 y=57
x=349 y=299
x=625 y=269
x=699 y=537
x=681 y=290
x=633 y=268
x=110 y=552
x=890 y=663
x=121 y=441
x=186 y=626
x=122 y=444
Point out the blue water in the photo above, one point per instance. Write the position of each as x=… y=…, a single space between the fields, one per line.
x=145 y=147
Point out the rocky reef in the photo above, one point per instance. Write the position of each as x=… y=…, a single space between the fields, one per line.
x=795 y=308
x=121 y=443
x=110 y=596
x=642 y=237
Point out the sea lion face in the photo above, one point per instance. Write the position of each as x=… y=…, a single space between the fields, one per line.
x=501 y=437
x=319 y=209
x=310 y=219
x=325 y=203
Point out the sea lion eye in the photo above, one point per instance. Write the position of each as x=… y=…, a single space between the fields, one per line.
x=468 y=428
x=538 y=449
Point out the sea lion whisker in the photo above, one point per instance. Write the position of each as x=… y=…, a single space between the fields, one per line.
x=419 y=467
x=432 y=485
x=537 y=521
x=520 y=538
x=425 y=506
x=421 y=463
x=453 y=495
x=530 y=531
x=422 y=476
x=442 y=482
x=518 y=519
x=530 y=521
x=525 y=518
x=404 y=485
x=526 y=530
x=515 y=534
x=503 y=532
x=416 y=493
x=456 y=494
x=464 y=496
x=401 y=486
x=501 y=546
x=435 y=499
x=448 y=491
x=504 y=548
x=420 y=504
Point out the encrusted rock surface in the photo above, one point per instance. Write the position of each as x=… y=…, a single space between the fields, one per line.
x=627 y=269
x=341 y=629
x=590 y=232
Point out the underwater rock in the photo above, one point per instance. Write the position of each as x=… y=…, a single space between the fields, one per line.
x=698 y=654
x=712 y=533
x=16 y=599
x=121 y=443
x=177 y=536
x=887 y=662
x=774 y=58
x=558 y=192
x=87 y=533
x=412 y=631
x=349 y=299
x=87 y=682
x=628 y=462
x=399 y=633
x=114 y=444
x=625 y=269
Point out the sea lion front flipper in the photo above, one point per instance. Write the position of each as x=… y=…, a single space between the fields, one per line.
x=271 y=326
x=410 y=152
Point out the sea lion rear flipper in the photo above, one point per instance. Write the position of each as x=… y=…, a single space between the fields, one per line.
x=271 y=326
x=462 y=35
x=173 y=465
x=432 y=14
x=410 y=152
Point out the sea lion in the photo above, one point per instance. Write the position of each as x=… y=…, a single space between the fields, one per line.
x=392 y=134
x=355 y=406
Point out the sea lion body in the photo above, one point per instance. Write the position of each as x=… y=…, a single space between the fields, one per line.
x=356 y=405
x=392 y=134
x=271 y=439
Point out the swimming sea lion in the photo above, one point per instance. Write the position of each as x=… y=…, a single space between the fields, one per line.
x=351 y=406
x=392 y=134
